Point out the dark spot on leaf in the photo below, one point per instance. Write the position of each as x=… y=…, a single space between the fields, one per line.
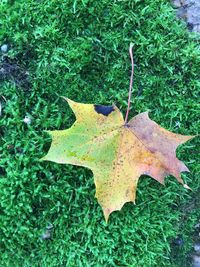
x=105 y=110
x=127 y=192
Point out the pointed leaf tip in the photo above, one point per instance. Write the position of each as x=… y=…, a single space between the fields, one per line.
x=187 y=187
x=106 y=213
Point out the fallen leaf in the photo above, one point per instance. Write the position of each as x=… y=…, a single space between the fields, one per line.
x=117 y=153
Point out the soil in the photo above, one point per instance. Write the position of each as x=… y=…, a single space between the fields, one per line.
x=178 y=255
x=11 y=70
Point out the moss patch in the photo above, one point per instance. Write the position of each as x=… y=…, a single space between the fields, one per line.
x=79 y=49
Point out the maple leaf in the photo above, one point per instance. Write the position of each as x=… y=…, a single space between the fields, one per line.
x=118 y=153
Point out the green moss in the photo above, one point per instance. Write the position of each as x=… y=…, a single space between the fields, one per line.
x=79 y=49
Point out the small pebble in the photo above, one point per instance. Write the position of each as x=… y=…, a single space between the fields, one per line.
x=49 y=227
x=197 y=248
x=27 y=120
x=4 y=48
x=197 y=225
x=179 y=242
x=177 y=124
x=46 y=235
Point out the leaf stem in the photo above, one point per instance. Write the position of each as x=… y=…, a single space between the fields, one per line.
x=131 y=82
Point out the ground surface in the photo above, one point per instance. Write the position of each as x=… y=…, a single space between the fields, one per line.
x=189 y=10
x=48 y=214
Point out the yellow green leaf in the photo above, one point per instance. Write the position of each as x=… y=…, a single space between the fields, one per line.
x=117 y=153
